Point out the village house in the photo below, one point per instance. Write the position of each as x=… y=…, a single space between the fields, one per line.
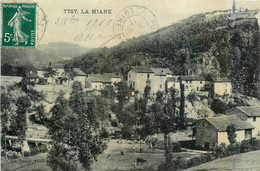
x=32 y=76
x=250 y=114
x=221 y=87
x=140 y=76
x=192 y=83
x=97 y=81
x=211 y=132
x=114 y=78
x=61 y=77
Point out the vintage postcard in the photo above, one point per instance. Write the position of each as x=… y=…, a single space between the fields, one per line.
x=118 y=85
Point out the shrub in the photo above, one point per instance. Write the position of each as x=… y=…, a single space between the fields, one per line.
x=234 y=148
x=176 y=147
x=221 y=151
x=180 y=163
x=218 y=106
x=195 y=161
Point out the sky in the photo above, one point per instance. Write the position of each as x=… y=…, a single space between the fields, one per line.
x=97 y=30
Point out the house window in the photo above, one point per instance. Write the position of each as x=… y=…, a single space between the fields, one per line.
x=248 y=133
x=160 y=86
x=133 y=84
x=197 y=88
x=129 y=75
x=148 y=75
x=254 y=118
x=200 y=82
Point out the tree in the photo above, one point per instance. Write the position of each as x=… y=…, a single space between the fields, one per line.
x=69 y=72
x=40 y=115
x=231 y=131
x=72 y=133
x=181 y=118
x=50 y=72
x=219 y=107
x=22 y=103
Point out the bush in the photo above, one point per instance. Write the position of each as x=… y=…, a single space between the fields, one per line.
x=180 y=164
x=219 y=107
x=234 y=148
x=195 y=161
x=176 y=147
x=221 y=151
x=249 y=145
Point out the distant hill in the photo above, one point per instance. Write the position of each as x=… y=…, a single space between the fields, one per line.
x=51 y=52
x=217 y=43
x=18 y=61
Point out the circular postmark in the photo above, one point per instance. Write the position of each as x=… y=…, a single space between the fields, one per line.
x=41 y=23
x=134 y=21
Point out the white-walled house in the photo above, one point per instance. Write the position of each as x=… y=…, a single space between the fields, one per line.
x=221 y=86
x=97 y=81
x=211 y=132
x=250 y=114
x=61 y=77
x=192 y=83
x=139 y=76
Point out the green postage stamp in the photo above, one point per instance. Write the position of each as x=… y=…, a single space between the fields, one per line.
x=18 y=25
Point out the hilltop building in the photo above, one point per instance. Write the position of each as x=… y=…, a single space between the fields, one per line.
x=211 y=132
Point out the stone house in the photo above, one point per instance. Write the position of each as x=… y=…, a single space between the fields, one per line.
x=211 y=132
x=250 y=114
x=174 y=82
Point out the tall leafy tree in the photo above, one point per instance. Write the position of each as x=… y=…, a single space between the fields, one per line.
x=50 y=72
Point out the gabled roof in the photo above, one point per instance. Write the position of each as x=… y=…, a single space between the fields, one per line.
x=111 y=75
x=142 y=69
x=250 y=110
x=98 y=78
x=192 y=78
x=222 y=122
x=221 y=79
x=161 y=71
x=79 y=72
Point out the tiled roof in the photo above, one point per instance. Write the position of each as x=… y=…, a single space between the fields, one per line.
x=79 y=72
x=221 y=79
x=222 y=122
x=161 y=71
x=192 y=78
x=111 y=75
x=98 y=78
x=142 y=69
x=250 y=110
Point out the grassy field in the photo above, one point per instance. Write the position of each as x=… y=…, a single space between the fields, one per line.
x=245 y=161
x=110 y=159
